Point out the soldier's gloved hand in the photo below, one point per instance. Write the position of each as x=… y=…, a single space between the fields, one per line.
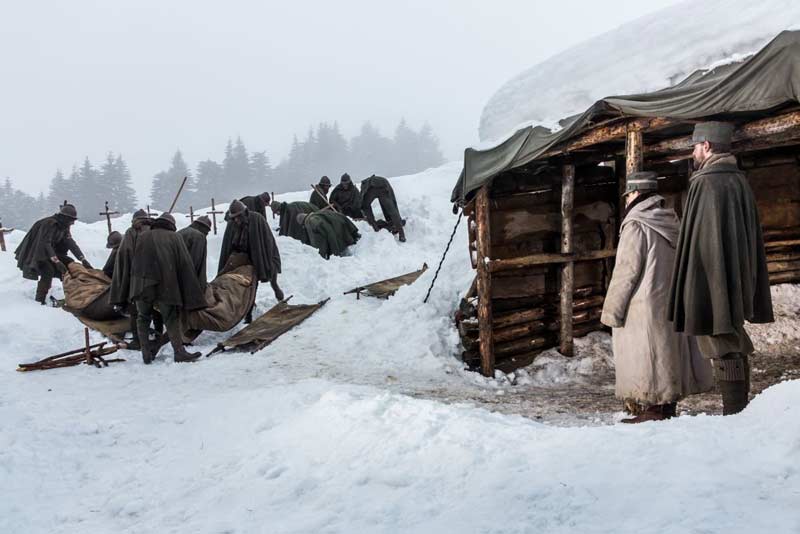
x=61 y=267
x=278 y=293
x=86 y=263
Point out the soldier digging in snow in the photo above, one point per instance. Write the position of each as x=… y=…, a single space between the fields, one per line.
x=287 y=218
x=163 y=275
x=329 y=232
x=720 y=276
x=321 y=200
x=346 y=198
x=380 y=188
x=194 y=236
x=655 y=366
x=257 y=203
x=247 y=232
x=43 y=252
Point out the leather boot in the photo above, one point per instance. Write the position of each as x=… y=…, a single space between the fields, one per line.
x=42 y=288
x=144 y=344
x=669 y=410
x=653 y=413
x=134 y=344
x=402 y=235
x=176 y=339
x=734 y=396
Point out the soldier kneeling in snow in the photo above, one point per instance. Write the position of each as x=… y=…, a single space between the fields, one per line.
x=655 y=366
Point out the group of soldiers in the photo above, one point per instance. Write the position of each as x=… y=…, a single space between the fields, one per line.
x=157 y=271
x=682 y=290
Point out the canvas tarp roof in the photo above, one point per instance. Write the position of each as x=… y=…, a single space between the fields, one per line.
x=768 y=80
x=264 y=330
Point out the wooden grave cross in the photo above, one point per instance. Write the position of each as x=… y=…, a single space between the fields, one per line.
x=108 y=215
x=213 y=214
x=191 y=214
x=3 y=232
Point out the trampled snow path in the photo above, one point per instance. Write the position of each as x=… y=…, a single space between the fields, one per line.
x=321 y=432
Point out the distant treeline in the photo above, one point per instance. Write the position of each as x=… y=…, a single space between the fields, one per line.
x=324 y=151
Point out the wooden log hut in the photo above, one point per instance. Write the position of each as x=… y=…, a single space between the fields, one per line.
x=544 y=208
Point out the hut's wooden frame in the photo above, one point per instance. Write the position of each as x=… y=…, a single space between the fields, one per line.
x=603 y=142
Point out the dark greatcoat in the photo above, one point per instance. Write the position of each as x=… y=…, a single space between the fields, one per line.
x=720 y=275
x=330 y=232
x=162 y=261
x=318 y=200
x=121 y=281
x=378 y=187
x=108 y=268
x=47 y=237
x=347 y=201
x=197 y=246
x=256 y=204
x=256 y=240
x=288 y=219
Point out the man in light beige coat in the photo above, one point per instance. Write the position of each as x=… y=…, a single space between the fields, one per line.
x=655 y=366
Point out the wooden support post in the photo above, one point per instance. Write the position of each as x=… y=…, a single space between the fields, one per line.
x=633 y=151
x=484 y=282
x=3 y=232
x=568 y=269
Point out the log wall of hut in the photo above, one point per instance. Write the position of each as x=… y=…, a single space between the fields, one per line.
x=523 y=269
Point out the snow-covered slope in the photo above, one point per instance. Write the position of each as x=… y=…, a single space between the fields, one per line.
x=338 y=426
x=648 y=54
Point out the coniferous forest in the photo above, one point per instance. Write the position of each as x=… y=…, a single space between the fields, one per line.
x=322 y=151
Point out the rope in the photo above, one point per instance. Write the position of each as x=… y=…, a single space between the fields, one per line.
x=447 y=248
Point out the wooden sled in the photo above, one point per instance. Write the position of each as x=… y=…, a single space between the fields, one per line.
x=386 y=288
x=267 y=328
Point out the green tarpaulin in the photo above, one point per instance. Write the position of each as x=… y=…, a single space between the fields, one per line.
x=767 y=81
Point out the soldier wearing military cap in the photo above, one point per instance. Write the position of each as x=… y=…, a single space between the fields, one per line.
x=248 y=233
x=119 y=294
x=163 y=277
x=42 y=254
x=319 y=197
x=195 y=238
x=346 y=198
x=257 y=203
x=720 y=278
x=112 y=243
x=655 y=366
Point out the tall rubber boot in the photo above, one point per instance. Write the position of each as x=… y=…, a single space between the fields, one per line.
x=176 y=339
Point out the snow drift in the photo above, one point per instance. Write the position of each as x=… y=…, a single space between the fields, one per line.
x=650 y=53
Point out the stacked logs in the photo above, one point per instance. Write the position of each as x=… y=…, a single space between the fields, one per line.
x=783 y=255
x=522 y=333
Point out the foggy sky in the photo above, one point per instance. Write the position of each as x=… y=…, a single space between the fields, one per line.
x=145 y=77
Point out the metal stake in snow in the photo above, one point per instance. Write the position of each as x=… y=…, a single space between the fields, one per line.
x=446 y=249
x=213 y=214
x=108 y=215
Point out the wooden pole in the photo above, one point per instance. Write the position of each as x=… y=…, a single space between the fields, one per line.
x=484 y=282
x=178 y=194
x=3 y=232
x=633 y=151
x=191 y=214
x=568 y=269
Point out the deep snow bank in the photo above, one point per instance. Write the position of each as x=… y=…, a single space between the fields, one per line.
x=314 y=433
x=647 y=54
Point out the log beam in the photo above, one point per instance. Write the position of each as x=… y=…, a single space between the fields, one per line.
x=533 y=260
x=763 y=133
x=568 y=269
x=611 y=132
x=482 y=238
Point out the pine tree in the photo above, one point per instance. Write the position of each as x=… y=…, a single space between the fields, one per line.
x=237 y=168
x=429 y=153
x=260 y=173
x=89 y=192
x=370 y=153
x=404 y=151
x=165 y=185
x=332 y=155
x=60 y=190
x=122 y=196
x=210 y=183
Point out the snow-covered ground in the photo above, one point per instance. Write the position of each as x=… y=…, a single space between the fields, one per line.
x=647 y=54
x=362 y=420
